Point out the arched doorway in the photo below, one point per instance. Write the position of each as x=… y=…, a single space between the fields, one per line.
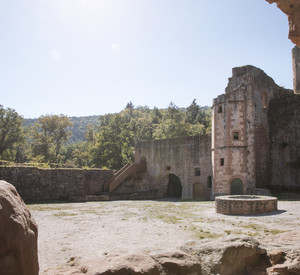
x=197 y=191
x=174 y=187
x=236 y=187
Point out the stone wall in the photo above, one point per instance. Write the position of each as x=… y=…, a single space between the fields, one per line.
x=188 y=158
x=34 y=184
x=284 y=120
x=296 y=69
x=240 y=146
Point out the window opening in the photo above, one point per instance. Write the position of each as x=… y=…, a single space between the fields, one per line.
x=197 y=172
x=209 y=182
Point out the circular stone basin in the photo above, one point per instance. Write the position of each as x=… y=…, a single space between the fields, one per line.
x=245 y=204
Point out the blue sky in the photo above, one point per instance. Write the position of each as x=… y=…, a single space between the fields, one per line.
x=91 y=57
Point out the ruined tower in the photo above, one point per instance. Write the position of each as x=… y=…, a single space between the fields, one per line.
x=296 y=69
x=240 y=132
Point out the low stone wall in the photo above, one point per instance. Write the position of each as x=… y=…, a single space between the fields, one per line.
x=245 y=205
x=35 y=184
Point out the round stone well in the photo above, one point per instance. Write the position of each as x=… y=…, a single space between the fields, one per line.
x=245 y=204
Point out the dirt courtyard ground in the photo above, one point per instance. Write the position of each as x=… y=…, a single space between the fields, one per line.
x=85 y=230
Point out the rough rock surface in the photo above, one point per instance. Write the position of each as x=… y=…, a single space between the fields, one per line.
x=178 y=262
x=292 y=9
x=225 y=256
x=18 y=235
x=229 y=255
x=284 y=253
x=132 y=264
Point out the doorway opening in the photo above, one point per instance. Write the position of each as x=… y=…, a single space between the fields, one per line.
x=197 y=191
x=174 y=187
x=236 y=187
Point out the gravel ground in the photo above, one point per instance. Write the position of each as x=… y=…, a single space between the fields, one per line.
x=85 y=230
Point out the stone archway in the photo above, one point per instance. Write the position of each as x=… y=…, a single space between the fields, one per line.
x=174 y=187
x=236 y=187
x=197 y=191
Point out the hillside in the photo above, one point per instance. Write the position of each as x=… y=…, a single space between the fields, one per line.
x=80 y=123
x=78 y=128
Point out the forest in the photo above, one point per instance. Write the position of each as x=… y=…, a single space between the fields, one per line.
x=104 y=141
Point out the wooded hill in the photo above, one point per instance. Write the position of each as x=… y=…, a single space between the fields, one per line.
x=96 y=141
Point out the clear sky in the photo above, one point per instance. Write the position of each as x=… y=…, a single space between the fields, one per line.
x=91 y=57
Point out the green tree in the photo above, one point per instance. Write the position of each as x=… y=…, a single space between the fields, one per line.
x=113 y=148
x=50 y=133
x=171 y=129
x=192 y=112
x=156 y=115
x=11 y=132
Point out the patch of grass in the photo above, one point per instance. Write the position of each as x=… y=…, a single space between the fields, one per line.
x=273 y=231
x=253 y=234
x=90 y=211
x=44 y=207
x=206 y=235
x=252 y=226
x=65 y=214
x=168 y=218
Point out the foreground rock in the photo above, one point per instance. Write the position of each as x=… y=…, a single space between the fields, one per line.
x=18 y=235
x=224 y=256
x=229 y=255
x=292 y=9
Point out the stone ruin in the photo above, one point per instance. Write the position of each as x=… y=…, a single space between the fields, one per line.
x=254 y=146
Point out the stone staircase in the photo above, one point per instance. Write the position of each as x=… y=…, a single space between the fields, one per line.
x=124 y=173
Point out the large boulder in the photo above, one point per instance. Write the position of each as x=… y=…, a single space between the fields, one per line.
x=167 y=263
x=18 y=235
x=178 y=262
x=237 y=255
x=229 y=255
x=113 y=264
x=292 y=9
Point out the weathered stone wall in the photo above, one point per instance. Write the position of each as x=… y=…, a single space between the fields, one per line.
x=240 y=146
x=178 y=156
x=284 y=120
x=34 y=184
x=296 y=69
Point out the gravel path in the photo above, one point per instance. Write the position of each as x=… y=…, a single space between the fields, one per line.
x=85 y=230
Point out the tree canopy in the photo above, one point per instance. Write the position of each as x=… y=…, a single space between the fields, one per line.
x=103 y=141
x=11 y=132
x=49 y=134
